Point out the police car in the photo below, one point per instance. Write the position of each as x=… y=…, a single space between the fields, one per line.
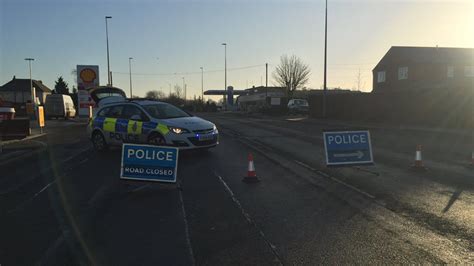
x=119 y=120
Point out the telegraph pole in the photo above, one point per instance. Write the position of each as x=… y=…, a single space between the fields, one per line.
x=202 y=84
x=130 y=71
x=32 y=90
x=325 y=59
x=266 y=81
x=225 y=75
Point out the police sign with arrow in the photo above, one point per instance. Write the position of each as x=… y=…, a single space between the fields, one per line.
x=347 y=148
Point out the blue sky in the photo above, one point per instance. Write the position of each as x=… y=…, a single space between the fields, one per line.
x=186 y=35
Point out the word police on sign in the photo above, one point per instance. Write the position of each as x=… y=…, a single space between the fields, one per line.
x=149 y=163
x=347 y=147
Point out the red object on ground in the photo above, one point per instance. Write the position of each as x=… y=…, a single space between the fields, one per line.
x=418 y=159
x=251 y=173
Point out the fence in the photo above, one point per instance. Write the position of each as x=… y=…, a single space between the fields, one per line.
x=448 y=108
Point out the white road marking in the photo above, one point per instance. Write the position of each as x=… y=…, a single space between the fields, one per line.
x=186 y=229
x=249 y=219
x=335 y=179
x=19 y=206
x=305 y=165
x=352 y=187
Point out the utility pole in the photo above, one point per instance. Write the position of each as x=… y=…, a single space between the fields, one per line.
x=158 y=74
x=32 y=90
x=109 y=80
x=130 y=70
x=184 y=88
x=225 y=75
x=266 y=81
x=325 y=58
x=202 y=84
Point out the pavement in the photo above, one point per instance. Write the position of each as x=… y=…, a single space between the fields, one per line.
x=67 y=206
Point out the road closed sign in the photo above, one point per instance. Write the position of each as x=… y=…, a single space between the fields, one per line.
x=149 y=163
x=347 y=147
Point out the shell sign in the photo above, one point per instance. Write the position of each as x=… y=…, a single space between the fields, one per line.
x=87 y=77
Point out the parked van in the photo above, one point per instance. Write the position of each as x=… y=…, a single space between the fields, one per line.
x=59 y=105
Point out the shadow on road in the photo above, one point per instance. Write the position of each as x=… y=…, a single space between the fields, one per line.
x=453 y=198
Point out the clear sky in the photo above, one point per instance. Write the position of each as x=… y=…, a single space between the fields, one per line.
x=186 y=35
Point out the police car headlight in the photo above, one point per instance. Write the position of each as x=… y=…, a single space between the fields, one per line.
x=178 y=130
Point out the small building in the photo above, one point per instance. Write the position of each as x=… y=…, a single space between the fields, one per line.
x=424 y=68
x=18 y=91
x=261 y=98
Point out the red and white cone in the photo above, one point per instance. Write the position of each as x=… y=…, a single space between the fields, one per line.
x=251 y=174
x=418 y=159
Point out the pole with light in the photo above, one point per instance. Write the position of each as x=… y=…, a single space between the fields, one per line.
x=325 y=58
x=33 y=92
x=130 y=71
x=109 y=82
x=225 y=75
x=202 y=84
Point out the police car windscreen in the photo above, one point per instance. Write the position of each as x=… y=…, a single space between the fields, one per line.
x=165 y=111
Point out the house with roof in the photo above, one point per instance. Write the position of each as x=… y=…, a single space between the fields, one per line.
x=18 y=91
x=424 y=68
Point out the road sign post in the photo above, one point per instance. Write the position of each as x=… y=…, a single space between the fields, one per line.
x=149 y=163
x=347 y=148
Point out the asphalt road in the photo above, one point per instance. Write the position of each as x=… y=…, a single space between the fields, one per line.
x=66 y=205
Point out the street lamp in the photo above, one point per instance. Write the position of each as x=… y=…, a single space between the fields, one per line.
x=33 y=92
x=225 y=75
x=108 y=60
x=130 y=71
x=202 y=84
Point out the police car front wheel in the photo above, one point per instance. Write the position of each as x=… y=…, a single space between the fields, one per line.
x=156 y=139
x=98 y=141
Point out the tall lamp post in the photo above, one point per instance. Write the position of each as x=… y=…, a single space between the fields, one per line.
x=109 y=82
x=33 y=92
x=325 y=58
x=202 y=84
x=130 y=71
x=225 y=75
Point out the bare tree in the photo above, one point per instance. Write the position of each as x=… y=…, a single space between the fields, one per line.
x=178 y=91
x=154 y=94
x=291 y=73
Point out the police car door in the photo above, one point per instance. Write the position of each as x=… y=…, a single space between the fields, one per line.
x=113 y=127
x=136 y=118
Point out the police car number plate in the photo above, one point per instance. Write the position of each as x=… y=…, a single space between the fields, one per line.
x=206 y=137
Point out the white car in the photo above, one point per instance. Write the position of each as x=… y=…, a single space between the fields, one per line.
x=119 y=120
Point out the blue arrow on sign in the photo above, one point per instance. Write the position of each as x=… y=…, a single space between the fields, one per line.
x=347 y=147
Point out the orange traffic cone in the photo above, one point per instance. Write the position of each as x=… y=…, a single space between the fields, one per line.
x=251 y=174
x=418 y=160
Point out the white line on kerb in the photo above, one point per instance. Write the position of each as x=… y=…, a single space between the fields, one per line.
x=335 y=179
x=249 y=219
x=186 y=229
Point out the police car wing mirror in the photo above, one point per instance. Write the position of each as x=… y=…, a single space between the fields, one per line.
x=136 y=117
